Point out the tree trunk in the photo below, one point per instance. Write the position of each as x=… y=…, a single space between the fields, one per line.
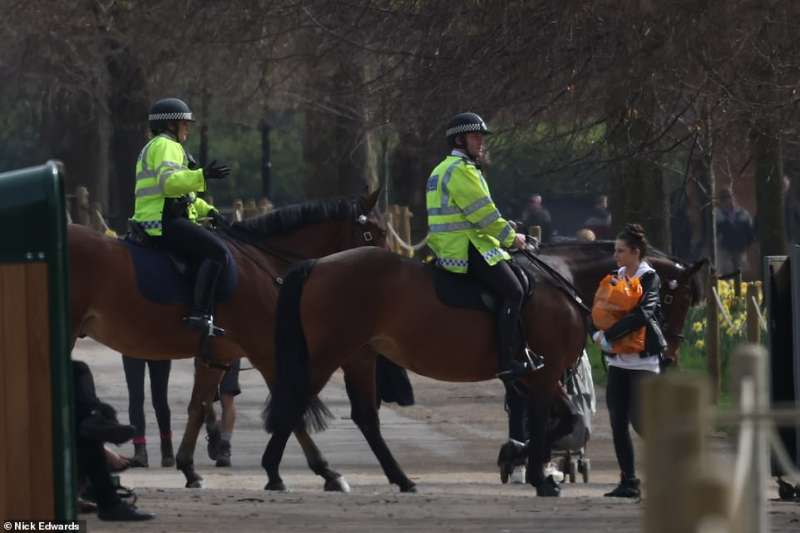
x=128 y=104
x=769 y=192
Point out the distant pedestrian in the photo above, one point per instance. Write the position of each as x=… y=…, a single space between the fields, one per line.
x=599 y=220
x=735 y=233
x=535 y=214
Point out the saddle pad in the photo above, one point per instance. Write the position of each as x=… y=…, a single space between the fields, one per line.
x=159 y=281
x=464 y=291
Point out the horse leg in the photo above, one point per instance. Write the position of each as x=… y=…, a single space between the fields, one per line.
x=539 y=445
x=360 y=383
x=271 y=460
x=334 y=481
x=206 y=380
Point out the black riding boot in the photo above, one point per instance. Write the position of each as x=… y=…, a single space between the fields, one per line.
x=509 y=369
x=205 y=287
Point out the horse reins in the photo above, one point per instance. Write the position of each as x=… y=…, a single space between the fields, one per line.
x=562 y=283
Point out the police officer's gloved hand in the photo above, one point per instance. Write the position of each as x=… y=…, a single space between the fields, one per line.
x=218 y=218
x=191 y=162
x=216 y=171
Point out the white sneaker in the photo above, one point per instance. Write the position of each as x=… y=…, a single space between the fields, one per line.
x=517 y=476
x=550 y=469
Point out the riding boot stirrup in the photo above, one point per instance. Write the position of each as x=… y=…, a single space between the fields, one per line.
x=204 y=323
x=533 y=359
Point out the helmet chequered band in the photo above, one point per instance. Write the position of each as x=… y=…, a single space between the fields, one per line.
x=464 y=128
x=170 y=116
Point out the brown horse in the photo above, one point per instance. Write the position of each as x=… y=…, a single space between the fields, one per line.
x=107 y=305
x=366 y=301
x=361 y=302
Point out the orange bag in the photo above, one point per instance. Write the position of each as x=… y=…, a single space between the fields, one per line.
x=614 y=299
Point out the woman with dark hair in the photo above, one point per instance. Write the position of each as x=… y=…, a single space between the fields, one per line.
x=632 y=345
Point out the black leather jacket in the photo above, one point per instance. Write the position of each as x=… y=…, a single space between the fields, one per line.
x=647 y=314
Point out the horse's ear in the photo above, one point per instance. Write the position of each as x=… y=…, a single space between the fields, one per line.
x=368 y=200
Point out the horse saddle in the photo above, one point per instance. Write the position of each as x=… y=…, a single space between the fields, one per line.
x=466 y=292
x=165 y=277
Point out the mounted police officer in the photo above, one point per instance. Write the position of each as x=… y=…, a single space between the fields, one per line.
x=469 y=236
x=167 y=206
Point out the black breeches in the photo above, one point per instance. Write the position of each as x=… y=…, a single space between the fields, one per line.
x=622 y=399
x=186 y=237
x=159 y=382
x=502 y=281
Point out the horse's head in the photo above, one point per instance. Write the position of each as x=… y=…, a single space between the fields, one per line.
x=680 y=290
x=369 y=228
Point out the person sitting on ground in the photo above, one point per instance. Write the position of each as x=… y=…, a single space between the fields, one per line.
x=95 y=424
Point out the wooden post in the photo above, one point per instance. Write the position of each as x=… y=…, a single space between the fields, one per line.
x=750 y=367
x=712 y=339
x=536 y=232
x=753 y=326
x=83 y=215
x=675 y=414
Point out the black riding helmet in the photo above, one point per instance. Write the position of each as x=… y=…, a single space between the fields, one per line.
x=464 y=123
x=167 y=110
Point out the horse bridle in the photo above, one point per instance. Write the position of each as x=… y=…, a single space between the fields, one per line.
x=667 y=300
x=236 y=240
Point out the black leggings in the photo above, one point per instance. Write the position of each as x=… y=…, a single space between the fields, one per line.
x=622 y=399
x=159 y=382
x=91 y=456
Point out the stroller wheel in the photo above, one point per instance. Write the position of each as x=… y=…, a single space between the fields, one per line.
x=584 y=466
x=573 y=470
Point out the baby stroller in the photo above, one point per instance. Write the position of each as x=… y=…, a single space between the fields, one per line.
x=569 y=451
x=578 y=403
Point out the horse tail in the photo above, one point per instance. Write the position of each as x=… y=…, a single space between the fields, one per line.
x=290 y=405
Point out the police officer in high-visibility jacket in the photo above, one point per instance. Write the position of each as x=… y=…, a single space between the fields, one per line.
x=167 y=206
x=468 y=235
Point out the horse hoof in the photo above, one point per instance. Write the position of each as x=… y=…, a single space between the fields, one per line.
x=338 y=484
x=548 y=488
x=410 y=489
x=276 y=486
x=195 y=484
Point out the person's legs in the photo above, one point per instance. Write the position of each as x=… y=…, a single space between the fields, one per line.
x=188 y=238
x=502 y=281
x=159 y=384
x=618 y=400
x=134 y=378
x=95 y=422
x=228 y=390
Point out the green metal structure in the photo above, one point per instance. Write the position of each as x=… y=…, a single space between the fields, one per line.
x=33 y=218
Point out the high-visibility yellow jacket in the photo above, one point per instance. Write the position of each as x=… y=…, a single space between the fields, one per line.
x=460 y=212
x=161 y=173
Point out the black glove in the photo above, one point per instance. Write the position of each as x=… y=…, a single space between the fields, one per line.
x=216 y=171
x=218 y=219
x=191 y=162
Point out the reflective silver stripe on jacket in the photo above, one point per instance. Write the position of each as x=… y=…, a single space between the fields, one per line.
x=488 y=219
x=505 y=233
x=454 y=226
x=446 y=180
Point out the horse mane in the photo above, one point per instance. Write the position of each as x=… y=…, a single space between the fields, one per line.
x=291 y=217
x=607 y=246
